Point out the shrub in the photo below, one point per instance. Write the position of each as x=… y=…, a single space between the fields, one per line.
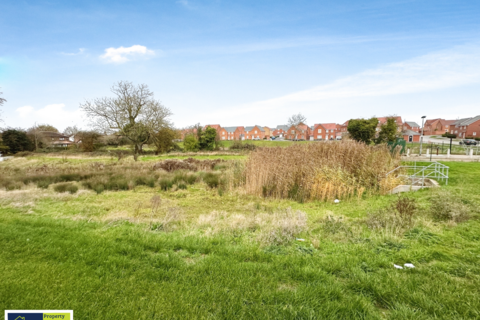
x=99 y=188
x=43 y=183
x=405 y=208
x=212 y=180
x=239 y=145
x=165 y=184
x=65 y=187
x=445 y=207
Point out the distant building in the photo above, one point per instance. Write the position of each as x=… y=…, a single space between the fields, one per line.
x=55 y=139
x=254 y=132
x=299 y=132
x=467 y=128
x=410 y=135
x=413 y=126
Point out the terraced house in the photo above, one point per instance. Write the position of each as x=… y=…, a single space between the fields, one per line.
x=254 y=132
x=467 y=128
x=232 y=133
x=299 y=132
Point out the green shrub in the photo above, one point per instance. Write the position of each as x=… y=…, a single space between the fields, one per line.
x=182 y=185
x=65 y=187
x=99 y=188
x=43 y=183
x=70 y=177
x=445 y=206
x=72 y=188
x=212 y=180
x=165 y=184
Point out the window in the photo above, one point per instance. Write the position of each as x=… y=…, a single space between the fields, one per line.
x=223 y=132
x=319 y=130
x=474 y=133
x=223 y=138
x=255 y=131
x=293 y=131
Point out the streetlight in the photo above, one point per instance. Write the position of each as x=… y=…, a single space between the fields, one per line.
x=421 y=137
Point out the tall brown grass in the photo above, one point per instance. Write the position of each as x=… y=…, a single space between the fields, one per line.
x=321 y=171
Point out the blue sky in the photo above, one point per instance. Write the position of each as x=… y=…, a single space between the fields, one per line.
x=243 y=62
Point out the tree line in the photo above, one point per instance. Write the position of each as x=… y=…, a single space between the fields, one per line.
x=131 y=116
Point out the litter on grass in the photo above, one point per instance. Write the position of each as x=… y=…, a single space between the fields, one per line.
x=336 y=201
x=298 y=239
x=409 y=265
x=397 y=267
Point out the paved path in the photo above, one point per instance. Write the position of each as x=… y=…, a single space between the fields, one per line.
x=438 y=139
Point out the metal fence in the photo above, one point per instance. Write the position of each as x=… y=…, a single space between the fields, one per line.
x=439 y=148
x=417 y=174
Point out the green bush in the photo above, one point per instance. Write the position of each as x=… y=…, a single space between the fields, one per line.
x=182 y=185
x=212 y=180
x=43 y=183
x=99 y=188
x=165 y=184
x=446 y=207
x=65 y=187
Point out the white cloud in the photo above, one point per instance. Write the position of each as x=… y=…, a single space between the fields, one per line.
x=54 y=114
x=122 y=54
x=24 y=111
x=365 y=93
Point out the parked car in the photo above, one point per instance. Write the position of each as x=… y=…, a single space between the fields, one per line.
x=468 y=142
x=256 y=139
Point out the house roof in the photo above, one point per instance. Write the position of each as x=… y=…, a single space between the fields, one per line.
x=410 y=132
x=283 y=127
x=230 y=129
x=250 y=128
x=459 y=122
x=449 y=122
x=398 y=119
x=412 y=124
x=329 y=126
x=468 y=121
x=430 y=121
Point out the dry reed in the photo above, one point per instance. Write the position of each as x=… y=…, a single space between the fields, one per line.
x=320 y=171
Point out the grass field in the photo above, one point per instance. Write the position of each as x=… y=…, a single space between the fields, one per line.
x=200 y=254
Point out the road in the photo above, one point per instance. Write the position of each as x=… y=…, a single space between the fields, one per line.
x=437 y=139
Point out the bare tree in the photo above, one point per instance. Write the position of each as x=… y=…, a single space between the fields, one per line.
x=2 y=101
x=295 y=121
x=72 y=132
x=133 y=113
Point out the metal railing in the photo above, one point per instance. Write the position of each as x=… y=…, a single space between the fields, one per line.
x=418 y=174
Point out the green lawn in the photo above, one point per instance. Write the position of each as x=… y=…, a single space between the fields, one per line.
x=98 y=255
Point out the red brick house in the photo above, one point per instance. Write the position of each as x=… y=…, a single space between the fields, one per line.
x=383 y=120
x=413 y=126
x=324 y=131
x=468 y=128
x=299 y=132
x=434 y=127
x=254 y=132
x=410 y=135
x=449 y=125
x=280 y=131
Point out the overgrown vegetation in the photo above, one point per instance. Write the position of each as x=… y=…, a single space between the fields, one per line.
x=321 y=171
x=233 y=254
